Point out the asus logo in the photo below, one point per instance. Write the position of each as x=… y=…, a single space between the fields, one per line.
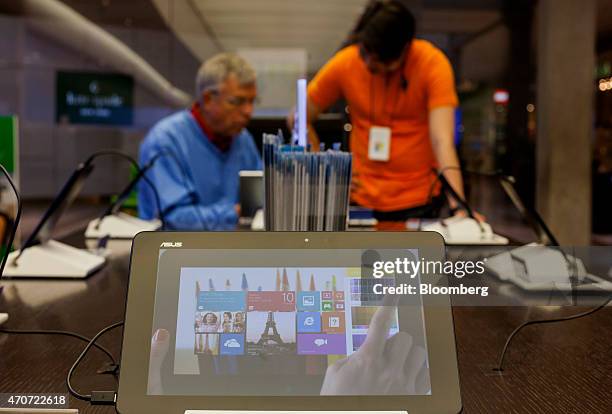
x=171 y=244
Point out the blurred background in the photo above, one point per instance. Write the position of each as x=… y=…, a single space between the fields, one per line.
x=534 y=79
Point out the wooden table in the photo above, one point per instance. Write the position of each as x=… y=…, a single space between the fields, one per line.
x=555 y=368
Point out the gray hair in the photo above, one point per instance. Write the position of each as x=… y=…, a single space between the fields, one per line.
x=216 y=69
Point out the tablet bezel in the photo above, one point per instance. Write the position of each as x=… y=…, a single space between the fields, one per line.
x=132 y=394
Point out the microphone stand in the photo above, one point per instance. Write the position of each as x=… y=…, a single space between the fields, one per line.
x=13 y=231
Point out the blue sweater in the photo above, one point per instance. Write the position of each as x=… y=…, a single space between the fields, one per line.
x=198 y=187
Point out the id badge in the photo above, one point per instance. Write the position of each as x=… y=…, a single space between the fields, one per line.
x=379 y=147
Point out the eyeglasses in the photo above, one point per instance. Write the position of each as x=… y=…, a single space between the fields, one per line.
x=237 y=101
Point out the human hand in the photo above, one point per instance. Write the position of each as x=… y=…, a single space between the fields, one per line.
x=159 y=348
x=394 y=366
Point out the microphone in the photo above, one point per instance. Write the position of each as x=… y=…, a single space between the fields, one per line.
x=451 y=191
x=69 y=192
x=529 y=215
x=64 y=199
x=545 y=236
x=464 y=205
x=113 y=208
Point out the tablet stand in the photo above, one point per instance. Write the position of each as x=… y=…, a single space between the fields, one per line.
x=465 y=230
x=534 y=267
x=119 y=226
x=53 y=259
x=258 y=221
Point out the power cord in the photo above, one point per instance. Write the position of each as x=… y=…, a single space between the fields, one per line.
x=433 y=186
x=572 y=268
x=500 y=365
x=11 y=233
x=57 y=332
x=11 y=238
x=490 y=174
x=116 y=153
x=140 y=171
x=96 y=397
x=125 y=193
x=436 y=180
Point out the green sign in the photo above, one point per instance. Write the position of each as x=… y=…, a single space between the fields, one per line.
x=8 y=130
x=603 y=70
x=8 y=159
x=94 y=98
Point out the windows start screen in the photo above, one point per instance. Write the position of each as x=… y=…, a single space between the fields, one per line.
x=276 y=317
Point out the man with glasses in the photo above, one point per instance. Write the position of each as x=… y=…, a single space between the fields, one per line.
x=401 y=97
x=201 y=150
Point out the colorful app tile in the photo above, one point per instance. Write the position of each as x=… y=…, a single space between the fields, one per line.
x=231 y=344
x=362 y=315
x=338 y=295
x=339 y=306
x=207 y=322
x=309 y=301
x=321 y=344
x=327 y=295
x=232 y=322
x=308 y=322
x=327 y=306
x=207 y=343
x=282 y=301
x=333 y=322
x=270 y=333
x=222 y=301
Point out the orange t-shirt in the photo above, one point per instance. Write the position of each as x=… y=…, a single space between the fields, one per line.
x=405 y=180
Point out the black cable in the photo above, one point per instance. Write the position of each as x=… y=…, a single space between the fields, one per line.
x=432 y=187
x=529 y=214
x=57 y=332
x=134 y=163
x=113 y=208
x=438 y=175
x=72 y=391
x=436 y=180
x=490 y=174
x=117 y=153
x=500 y=366
x=15 y=222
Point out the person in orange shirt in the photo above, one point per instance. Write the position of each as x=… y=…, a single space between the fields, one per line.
x=401 y=98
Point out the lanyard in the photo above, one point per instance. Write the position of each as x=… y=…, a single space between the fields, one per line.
x=388 y=83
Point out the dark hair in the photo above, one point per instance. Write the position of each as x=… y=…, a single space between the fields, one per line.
x=384 y=29
x=210 y=313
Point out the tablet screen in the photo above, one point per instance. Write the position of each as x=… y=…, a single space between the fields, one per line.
x=254 y=328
